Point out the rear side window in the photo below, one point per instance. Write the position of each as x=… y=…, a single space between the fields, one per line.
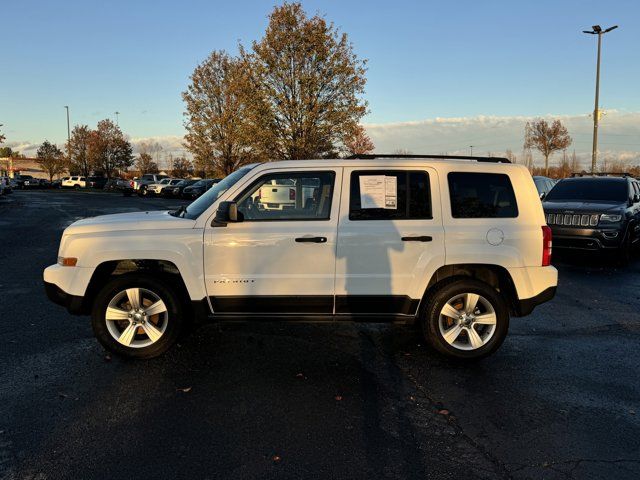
x=389 y=195
x=481 y=195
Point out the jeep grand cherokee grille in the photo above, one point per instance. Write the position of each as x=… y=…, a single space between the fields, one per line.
x=572 y=219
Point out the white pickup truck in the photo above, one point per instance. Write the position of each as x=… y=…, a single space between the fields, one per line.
x=454 y=245
x=284 y=193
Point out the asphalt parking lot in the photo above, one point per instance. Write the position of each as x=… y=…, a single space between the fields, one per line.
x=560 y=399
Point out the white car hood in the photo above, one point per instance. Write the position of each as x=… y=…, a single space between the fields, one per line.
x=156 y=220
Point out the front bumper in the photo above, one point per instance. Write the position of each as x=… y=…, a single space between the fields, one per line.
x=593 y=239
x=72 y=303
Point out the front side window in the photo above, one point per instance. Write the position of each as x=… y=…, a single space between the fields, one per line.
x=288 y=196
x=481 y=195
x=389 y=195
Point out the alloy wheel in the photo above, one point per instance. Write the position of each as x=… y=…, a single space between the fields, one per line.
x=136 y=317
x=467 y=321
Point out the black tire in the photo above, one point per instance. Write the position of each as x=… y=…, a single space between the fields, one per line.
x=175 y=315
x=430 y=318
x=142 y=191
x=625 y=251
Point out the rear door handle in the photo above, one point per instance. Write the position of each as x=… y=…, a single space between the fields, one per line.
x=424 y=238
x=311 y=239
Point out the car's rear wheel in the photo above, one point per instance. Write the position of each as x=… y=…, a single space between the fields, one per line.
x=137 y=316
x=465 y=319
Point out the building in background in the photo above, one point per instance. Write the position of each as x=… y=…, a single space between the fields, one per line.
x=12 y=167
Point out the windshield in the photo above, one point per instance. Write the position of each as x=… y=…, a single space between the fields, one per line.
x=589 y=190
x=201 y=204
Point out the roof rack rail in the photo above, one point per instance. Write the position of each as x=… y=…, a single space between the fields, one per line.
x=601 y=174
x=371 y=156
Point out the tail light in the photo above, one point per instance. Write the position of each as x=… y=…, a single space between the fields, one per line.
x=546 y=246
x=131 y=183
x=292 y=194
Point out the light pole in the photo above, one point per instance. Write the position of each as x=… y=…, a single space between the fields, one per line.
x=471 y=147
x=597 y=30
x=68 y=133
x=117 y=119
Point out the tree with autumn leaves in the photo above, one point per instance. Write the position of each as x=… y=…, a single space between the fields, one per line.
x=51 y=159
x=297 y=93
x=357 y=142
x=103 y=149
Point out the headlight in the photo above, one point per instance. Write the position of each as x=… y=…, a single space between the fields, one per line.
x=605 y=217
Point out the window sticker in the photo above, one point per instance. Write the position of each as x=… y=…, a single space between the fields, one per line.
x=378 y=191
x=391 y=193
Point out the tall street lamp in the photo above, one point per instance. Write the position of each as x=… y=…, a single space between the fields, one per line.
x=117 y=119
x=597 y=30
x=68 y=133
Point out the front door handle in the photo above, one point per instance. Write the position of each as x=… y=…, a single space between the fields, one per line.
x=424 y=238
x=311 y=239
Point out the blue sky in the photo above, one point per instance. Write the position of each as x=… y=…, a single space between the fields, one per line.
x=462 y=59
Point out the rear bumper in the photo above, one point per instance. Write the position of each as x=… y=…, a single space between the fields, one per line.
x=533 y=285
x=72 y=303
x=526 y=306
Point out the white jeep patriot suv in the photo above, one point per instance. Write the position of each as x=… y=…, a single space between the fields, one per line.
x=453 y=244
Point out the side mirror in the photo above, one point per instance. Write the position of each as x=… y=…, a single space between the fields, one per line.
x=227 y=212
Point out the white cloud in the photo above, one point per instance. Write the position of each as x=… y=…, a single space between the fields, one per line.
x=619 y=135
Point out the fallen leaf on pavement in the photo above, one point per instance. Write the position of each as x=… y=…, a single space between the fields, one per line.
x=185 y=389
x=338 y=397
x=444 y=412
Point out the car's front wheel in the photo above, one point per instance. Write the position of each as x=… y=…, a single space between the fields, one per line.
x=465 y=319
x=137 y=316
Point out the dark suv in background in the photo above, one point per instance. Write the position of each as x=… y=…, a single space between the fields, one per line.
x=595 y=213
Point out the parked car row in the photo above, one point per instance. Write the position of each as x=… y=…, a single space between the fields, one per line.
x=162 y=185
x=20 y=182
x=146 y=185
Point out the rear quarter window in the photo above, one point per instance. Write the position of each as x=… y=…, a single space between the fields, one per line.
x=481 y=195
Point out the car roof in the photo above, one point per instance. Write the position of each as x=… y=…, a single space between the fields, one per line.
x=391 y=161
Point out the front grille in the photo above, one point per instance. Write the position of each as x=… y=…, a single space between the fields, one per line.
x=573 y=220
